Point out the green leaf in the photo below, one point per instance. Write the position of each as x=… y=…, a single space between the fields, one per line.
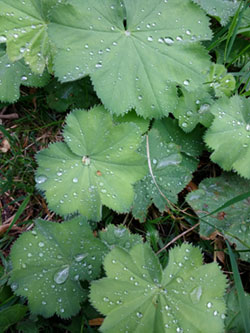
x=171 y=172
x=234 y=322
x=24 y=26
x=230 y=133
x=190 y=143
x=131 y=117
x=234 y=220
x=97 y=165
x=12 y=75
x=221 y=9
x=78 y=94
x=49 y=261
x=119 y=236
x=142 y=62
x=136 y=293
x=194 y=108
x=11 y=315
x=221 y=81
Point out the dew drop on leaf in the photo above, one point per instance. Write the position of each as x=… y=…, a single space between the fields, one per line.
x=62 y=275
x=195 y=295
x=41 y=179
x=80 y=257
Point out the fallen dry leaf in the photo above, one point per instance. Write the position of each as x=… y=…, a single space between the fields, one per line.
x=5 y=146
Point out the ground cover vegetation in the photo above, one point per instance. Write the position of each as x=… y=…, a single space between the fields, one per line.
x=125 y=166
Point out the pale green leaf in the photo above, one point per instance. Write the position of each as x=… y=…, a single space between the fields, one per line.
x=171 y=172
x=221 y=9
x=233 y=220
x=132 y=50
x=194 y=108
x=12 y=75
x=229 y=135
x=220 y=80
x=97 y=165
x=24 y=25
x=138 y=295
x=119 y=236
x=49 y=261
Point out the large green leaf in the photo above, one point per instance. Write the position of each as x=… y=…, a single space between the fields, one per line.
x=220 y=80
x=133 y=50
x=49 y=261
x=229 y=134
x=97 y=165
x=12 y=75
x=234 y=220
x=137 y=296
x=222 y=9
x=23 y=24
x=171 y=172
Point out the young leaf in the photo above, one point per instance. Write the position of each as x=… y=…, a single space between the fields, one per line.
x=97 y=165
x=194 y=108
x=136 y=293
x=221 y=9
x=221 y=81
x=11 y=315
x=131 y=117
x=119 y=236
x=49 y=261
x=171 y=172
x=23 y=24
x=12 y=75
x=134 y=50
x=230 y=133
x=234 y=220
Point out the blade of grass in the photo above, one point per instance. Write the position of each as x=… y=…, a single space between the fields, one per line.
x=19 y=212
x=240 y=291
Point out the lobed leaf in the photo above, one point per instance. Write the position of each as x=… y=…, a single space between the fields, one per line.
x=132 y=50
x=23 y=25
x=49 y=262
x=97 y=165
x=233 y=221
x=12 y=75
x=137 y=294
x=221 y=9
x=229 y=134
x=171 y=172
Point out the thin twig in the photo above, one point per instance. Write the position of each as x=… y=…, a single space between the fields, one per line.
x=177 y=237
x=9 y=116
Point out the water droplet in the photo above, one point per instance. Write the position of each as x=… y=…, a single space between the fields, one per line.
x=62 y=275
x=215 y=313
x=75 y=180
x=86 y=160
x=150 y=38
x=139 y=315
x=209 y=305
x=41 y=244
x=248 y=127
x=127 y=33
x=169 y=41
x=195 y=295
x=106 y=299
x=40 y=179
x=80 y=257
x=3 y=39
x=186 y=83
